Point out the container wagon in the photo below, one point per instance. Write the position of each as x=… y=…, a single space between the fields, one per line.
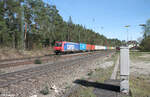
x=82 y=47
x=92 y=47
x=88 y=47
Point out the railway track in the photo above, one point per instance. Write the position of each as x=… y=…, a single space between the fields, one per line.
x=15 y=77
x=30 y=60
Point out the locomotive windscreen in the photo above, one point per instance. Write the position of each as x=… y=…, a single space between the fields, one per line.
x=58 y=44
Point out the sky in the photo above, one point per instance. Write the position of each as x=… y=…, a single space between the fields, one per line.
x=107 y=17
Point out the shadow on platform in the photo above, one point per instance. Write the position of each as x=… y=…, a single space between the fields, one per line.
x=104 y=86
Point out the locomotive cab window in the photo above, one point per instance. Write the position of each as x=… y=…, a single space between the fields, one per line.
x=58 y=44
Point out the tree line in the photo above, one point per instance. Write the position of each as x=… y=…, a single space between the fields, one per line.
x=145 y=43
x=32 y=24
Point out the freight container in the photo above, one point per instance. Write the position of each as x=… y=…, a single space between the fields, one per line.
x=88 y=47
x=106 y=47
x=82 y=47
x=97 y=47
x=102 y=47
x=92 y=47
x=109 y=48
x=112 y=48
x=70 y=46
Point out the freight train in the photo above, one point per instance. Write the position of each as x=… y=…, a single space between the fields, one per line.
x=68 y=47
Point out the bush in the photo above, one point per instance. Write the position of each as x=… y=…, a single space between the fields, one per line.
x=90 y=73
x=145 y=44
x=45 y=91
x=37 y=61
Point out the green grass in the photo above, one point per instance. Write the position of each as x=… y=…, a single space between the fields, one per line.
x=98 y=76
x=140 y=86
x=137 y=56
x=86 y=92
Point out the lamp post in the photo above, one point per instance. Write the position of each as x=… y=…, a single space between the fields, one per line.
x=143 y=25
x=127 y=26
